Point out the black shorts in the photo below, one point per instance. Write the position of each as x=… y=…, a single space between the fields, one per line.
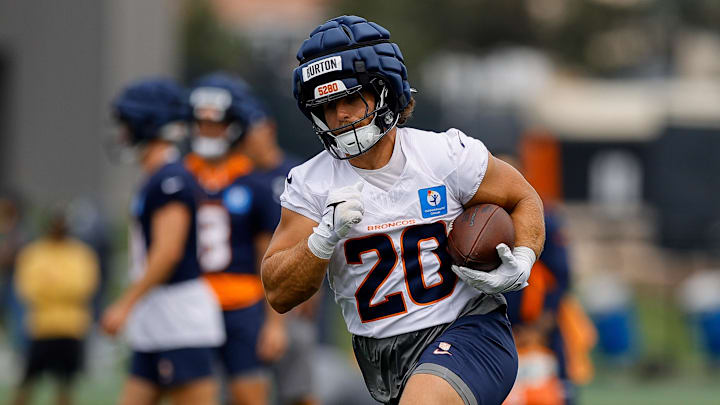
x=60 y=357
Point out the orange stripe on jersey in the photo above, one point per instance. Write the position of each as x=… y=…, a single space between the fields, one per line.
x=217 y=176
x=235 y=291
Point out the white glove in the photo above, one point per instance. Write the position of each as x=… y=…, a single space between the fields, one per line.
x=511 y=275
x=343 y=209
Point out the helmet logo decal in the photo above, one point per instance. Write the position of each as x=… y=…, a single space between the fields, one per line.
x=321 y=67
x=329 y=88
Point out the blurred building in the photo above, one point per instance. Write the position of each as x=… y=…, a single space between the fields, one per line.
x=275 y=16
x=60 y=63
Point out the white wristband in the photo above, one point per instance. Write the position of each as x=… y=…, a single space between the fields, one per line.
x=525 y=253
x=320 y=246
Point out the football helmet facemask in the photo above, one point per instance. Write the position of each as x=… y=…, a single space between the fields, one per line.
x=222 y=99
x=352 y=139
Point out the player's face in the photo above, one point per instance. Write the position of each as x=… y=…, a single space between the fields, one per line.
x=349 y=109
x=210 y=129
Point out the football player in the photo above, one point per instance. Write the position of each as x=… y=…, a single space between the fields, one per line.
x=173 y=320
x=541 y=312
x=236 y=219
x=260 y=145
x=292 y=372
x=373 y=210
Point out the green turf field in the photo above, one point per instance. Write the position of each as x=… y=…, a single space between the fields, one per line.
x=670 y=392
x=669 y=368
x=661 y=392
x=607 y=389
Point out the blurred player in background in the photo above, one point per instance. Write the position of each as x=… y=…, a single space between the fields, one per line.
x=56 y=279
x=292 y=372
x=538 y=314
x=236 y=218
x=533 y=313
x=173 y=320
x=362 y=211
x=13 y=235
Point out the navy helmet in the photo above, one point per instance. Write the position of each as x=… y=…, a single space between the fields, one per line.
x=151 y=108
x=223 y=98
x=342 y=57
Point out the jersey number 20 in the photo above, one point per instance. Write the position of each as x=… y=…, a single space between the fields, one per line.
x=420 y=293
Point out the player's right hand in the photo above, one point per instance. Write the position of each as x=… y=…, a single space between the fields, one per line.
x=343 y=209
x=512 y=275
x=272 y=341
x=115 y=317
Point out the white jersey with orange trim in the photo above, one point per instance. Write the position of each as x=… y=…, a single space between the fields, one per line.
x=391 y=274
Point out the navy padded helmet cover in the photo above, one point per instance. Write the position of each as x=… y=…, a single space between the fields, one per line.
x=245 y=107
x=147 y=105
x=346 y=37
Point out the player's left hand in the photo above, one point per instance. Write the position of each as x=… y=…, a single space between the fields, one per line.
x=272 y=340
x=115 y=317
x=511 y=275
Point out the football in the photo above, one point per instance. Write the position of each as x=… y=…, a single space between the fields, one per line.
x=476 y=232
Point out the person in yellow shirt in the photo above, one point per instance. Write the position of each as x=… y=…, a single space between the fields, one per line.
x=56 y=278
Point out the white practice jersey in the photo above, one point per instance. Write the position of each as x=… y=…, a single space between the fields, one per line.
x=391 y=274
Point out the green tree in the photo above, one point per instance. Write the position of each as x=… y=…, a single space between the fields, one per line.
x=206 y=45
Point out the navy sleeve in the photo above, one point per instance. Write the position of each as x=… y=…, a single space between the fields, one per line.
x=555 y=258
x=171 y=186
